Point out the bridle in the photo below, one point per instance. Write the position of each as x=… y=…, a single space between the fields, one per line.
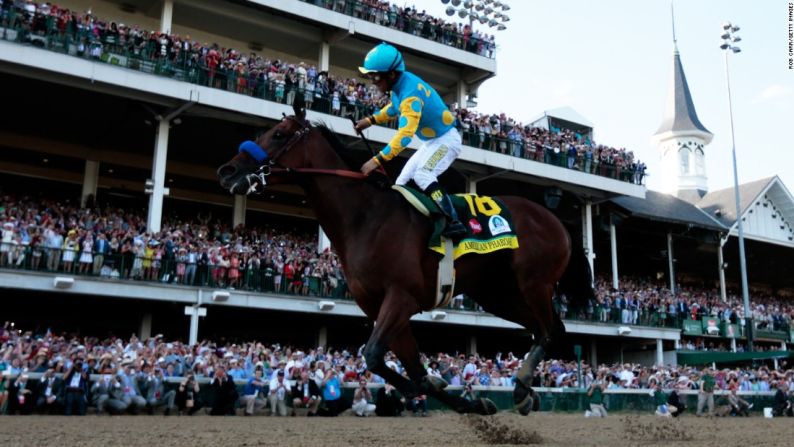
x=257 y=180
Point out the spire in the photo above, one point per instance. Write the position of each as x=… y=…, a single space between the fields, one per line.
x=672 y=20
x=680 y=115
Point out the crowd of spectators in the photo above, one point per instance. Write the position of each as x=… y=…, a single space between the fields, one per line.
x=181 y=57
x=560 y=147
x=419 y=23
x=646 y=302
x=116 y=376
x=114 y=243
x=106 y=241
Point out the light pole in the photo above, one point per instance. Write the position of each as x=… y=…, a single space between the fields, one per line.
x=729 y=39
x=483 y=11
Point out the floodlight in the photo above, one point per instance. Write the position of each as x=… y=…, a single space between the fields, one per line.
x=450 y=11
x=726 y=25
x=455 y=2
x=463 y=13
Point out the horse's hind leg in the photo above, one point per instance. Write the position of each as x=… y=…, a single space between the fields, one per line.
x=404 y=345
x=538 y=316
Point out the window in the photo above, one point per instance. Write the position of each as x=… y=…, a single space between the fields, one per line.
x=700 y=162
x=683 y=159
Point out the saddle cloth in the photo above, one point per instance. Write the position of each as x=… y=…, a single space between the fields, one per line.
x=488 y=221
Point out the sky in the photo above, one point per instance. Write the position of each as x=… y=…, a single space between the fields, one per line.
x=611 y=61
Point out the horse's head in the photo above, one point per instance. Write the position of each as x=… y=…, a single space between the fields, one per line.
x=282 y=146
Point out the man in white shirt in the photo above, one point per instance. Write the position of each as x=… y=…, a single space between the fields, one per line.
x=279 y=390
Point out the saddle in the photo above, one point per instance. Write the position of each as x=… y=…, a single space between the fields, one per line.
x=487 y=219
x=489 y=225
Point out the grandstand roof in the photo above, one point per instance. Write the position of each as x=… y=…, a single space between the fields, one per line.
x=722 y=203
x=680 y=115
x=568 y=114
x=668 y=208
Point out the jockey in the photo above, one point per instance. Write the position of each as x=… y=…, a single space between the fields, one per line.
x=421 y=112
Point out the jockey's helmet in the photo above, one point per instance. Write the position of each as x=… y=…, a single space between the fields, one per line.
x=383 y=58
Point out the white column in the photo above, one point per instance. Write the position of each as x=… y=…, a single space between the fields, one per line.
x=659 y=352
x=194 y=324
x=166 y=16
x=670 y=259
x=90 y=180
x=238 y=215
x=733 y=345
x=613 y=244
x=677 y=344
x=587 y=233
x=325 y=56
x=460 y=94
x=593 y=353
x=472 y=345
x=721 y=260
x=322 y=241
x=322 y=337
x=195 y=311
x=154 y=219
x=471 y=186
x=145 y=331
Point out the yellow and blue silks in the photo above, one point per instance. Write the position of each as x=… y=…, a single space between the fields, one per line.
x=420 y=111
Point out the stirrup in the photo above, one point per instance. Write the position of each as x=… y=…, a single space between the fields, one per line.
x=454 y=230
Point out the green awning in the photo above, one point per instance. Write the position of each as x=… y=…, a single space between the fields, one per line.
x=702 y=358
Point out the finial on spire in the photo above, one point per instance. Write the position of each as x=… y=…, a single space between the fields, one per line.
x=672 y=20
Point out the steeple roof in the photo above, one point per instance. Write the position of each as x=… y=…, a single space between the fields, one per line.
x=680 y=115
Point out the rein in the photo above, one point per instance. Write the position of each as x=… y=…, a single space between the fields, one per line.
x=257 y=180
x=337 y=172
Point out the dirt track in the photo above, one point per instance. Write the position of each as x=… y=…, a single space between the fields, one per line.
x=438 y=429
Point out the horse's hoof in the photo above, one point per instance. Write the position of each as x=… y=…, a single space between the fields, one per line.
x=525 y=400
x=526 y=405
x=436 y=383
x=485 y=407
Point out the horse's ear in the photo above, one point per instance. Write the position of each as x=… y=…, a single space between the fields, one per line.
x=299 y=107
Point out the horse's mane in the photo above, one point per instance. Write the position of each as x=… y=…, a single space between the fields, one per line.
x=352 y=158
x=339 y=147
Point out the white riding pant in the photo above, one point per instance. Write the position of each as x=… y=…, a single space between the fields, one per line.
x=431 y=160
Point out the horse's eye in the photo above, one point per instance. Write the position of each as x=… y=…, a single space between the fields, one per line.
x=278 y=135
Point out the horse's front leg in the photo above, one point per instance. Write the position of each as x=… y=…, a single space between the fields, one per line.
x=392 y=319
x=405 y=347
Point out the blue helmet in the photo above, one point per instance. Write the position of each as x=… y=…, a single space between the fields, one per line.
x=382 y=59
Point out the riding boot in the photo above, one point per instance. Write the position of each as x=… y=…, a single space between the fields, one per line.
x=454 y=228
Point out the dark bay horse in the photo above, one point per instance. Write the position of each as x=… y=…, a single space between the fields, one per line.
x=382 y=243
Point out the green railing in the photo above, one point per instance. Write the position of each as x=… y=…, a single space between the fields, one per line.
x=177 y=271
x=551 y=399
x=187 y=67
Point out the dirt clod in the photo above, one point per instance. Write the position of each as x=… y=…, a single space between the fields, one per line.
x=491 y=431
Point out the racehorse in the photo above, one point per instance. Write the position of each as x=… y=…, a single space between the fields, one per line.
x=381 y=241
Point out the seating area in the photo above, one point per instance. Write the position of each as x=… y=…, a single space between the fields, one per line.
x=261 y=76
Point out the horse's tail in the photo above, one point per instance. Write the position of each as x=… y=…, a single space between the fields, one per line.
x=576 y=283
x=577 y=280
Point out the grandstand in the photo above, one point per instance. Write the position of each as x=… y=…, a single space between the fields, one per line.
x=94 y=115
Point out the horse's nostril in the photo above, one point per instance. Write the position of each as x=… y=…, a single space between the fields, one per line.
x=226 y=170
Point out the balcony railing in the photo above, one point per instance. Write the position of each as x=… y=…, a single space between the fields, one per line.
x=317 y=96
x=444 y=33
